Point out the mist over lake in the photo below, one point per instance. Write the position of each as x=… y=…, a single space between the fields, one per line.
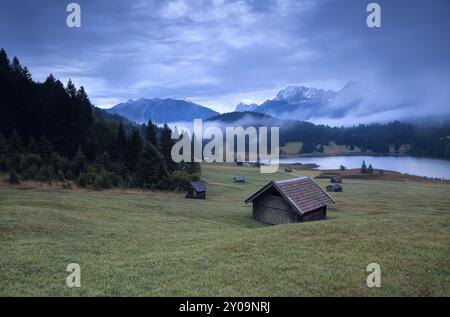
x=427 y=167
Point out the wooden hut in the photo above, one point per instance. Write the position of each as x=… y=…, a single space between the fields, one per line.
x=336 y=179
x=197 y=190
x=334 y=188
x=295 y=200
x=239 y=179
x=288 y=170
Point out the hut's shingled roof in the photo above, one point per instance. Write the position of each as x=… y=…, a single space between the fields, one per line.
x=198 y=186
x=302 y=193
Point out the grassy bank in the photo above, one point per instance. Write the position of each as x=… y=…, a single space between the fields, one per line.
x=141 y=243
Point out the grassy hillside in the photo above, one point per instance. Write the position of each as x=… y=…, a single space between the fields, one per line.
x=293 y=148
x=141 y=243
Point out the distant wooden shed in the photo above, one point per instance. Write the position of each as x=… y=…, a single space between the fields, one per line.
x=288 y=170
x=295 y=200
x=336 y=179
x=334 y=188
x=197 y=190
x=239 y=179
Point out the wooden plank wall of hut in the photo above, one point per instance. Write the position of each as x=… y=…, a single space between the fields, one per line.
x=274 y=210
x=317 y=214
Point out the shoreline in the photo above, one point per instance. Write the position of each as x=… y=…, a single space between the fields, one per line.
x=374 y=154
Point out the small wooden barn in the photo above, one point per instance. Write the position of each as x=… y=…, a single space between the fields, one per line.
x=239 y=179
x=334 y=188
x=197 y=190
x=336 y=179
x=295 y=200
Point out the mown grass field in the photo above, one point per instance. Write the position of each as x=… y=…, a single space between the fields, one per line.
x=158 y=244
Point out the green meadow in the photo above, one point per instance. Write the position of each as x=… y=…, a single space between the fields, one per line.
x=160 y=244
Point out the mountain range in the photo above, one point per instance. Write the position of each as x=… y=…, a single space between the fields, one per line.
x=294 y=102
x=161 y=110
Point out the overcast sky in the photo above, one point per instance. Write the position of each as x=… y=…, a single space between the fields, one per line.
x=219 y=53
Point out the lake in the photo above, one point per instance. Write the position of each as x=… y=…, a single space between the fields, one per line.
x=403 y=164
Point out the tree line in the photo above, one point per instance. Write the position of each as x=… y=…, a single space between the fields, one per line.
x=431 y=140
x=52 y=132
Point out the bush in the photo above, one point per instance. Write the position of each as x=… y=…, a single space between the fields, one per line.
x=30 y=172
x=55 y=161
x=3 y=164
x=85 y=179
x=29 y=160
x=103 y=179
x=66 y=185
x=66 y=167
x=13 y=162
x=180 y=180
x=45 y=174
x=13 y=178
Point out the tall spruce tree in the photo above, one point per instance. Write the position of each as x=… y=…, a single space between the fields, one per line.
x=119 y=145
x=151 y=169
x=166 y=144
x=3 y=145
x=133 y=150
x=71 y=89
x=151 y=134
x=79 y=162
x=363 y=167
x=4 y=61
x=45 y=149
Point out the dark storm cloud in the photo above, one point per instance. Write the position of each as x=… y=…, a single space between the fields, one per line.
x=219 y=53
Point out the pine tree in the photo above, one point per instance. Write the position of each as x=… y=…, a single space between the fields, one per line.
x=71 y=89
x=151 y=135
x=119 y=145
x=151 y=168
x=102 y=160
x=26 y=74
x=3 y=145
x=307 y=147
x=370 y=169
x=166 y=144
x=134 y=148
x=49 y=81
x=15 y=144
x=4 y=61
x=45 y=149
x=79 y=162
x=363 y=168
x=33 y=146
x=16 y=67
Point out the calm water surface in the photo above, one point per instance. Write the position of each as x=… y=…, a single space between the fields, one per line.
x=403 y=164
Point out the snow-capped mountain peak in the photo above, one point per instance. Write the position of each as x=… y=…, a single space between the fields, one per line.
x=299 y=94
x=243 y=107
